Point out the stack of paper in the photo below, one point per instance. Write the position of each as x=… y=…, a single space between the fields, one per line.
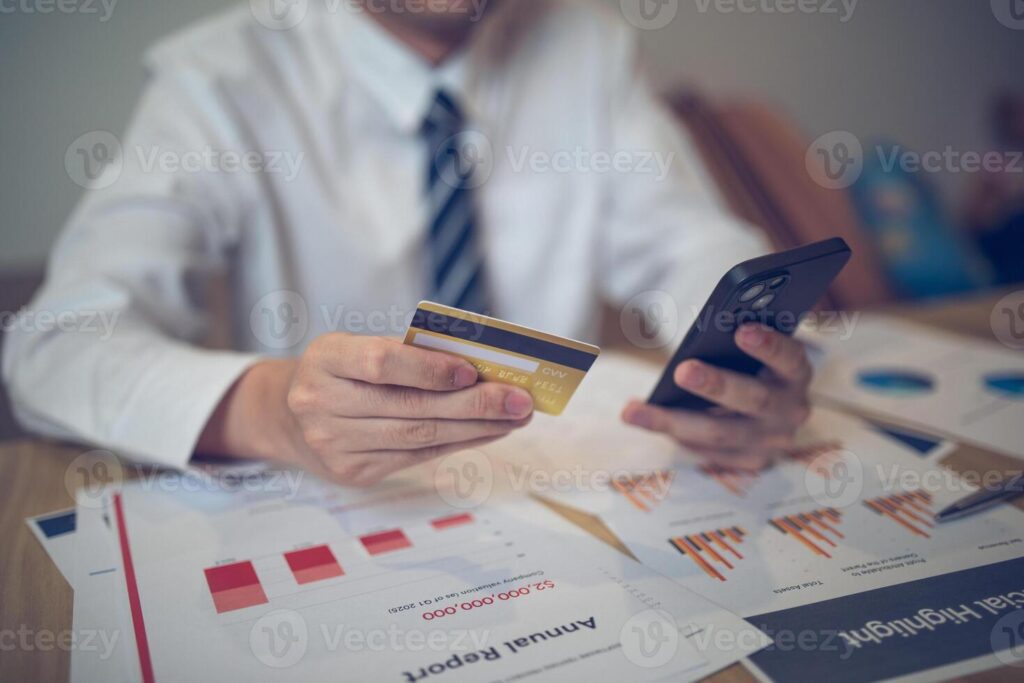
x=186 y=578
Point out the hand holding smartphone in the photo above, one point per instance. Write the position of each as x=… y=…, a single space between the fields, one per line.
x=776 y=291
x=736 y=393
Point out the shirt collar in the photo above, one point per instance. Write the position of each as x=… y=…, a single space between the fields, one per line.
x=402 y=82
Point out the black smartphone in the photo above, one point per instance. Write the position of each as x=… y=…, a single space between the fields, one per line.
x=777 y=290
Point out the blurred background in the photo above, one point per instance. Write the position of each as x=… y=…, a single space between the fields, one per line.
x=897 y=124
x=915 y=76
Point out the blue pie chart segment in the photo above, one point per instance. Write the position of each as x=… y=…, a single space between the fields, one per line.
x=1006 y=384
x=894 y=382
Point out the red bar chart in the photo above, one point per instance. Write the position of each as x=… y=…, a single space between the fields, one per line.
x=313 y=564
x=443 y=523
x=234 y=586
x=385 y=541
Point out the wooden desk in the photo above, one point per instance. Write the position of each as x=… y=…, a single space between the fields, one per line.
x=34 y=595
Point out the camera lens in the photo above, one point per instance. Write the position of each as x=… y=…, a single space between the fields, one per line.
x=752 y=292
x=763 y=302
x=777 y=282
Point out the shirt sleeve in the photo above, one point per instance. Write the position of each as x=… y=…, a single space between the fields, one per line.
x=668 y=229
x=106 y=354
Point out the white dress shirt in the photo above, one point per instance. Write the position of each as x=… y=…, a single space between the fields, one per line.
x=589 y=193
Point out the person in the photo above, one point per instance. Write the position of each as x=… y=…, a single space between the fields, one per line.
x=320 y=168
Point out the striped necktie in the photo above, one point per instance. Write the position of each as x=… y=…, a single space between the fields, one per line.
x=453 y=242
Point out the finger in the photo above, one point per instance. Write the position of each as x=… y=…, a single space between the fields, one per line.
x=694 y=429
x=366 y=469
x=384 y=361
x=782 y=354
x=741 y=393
x=386 y=434
x=484 y=401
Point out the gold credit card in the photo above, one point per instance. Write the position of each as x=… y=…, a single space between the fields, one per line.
x=547 y=366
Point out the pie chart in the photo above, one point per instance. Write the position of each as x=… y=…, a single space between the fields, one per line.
x=1006 y=384
x=895 y=382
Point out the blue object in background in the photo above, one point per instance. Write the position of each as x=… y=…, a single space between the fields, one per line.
x=923 y=254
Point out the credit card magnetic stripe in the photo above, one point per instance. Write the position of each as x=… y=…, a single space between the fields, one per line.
x=489 y=334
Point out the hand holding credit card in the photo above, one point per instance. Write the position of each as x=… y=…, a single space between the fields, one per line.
x=549 y=367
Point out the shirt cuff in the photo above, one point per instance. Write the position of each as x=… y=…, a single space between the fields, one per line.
x=163 y=423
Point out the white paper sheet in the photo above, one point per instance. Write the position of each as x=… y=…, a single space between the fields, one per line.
x=227 y=580
x=800 y=543
x=56 y=533
x=969 y=390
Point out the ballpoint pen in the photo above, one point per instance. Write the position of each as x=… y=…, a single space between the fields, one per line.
x=983 y=499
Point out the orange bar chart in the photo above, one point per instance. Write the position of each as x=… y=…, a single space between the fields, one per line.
x=644 y=491
x=737 y=482
x=313 y=564
x=713 y=551
x=817 y=530
x=825 y=456
x=911 y=510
